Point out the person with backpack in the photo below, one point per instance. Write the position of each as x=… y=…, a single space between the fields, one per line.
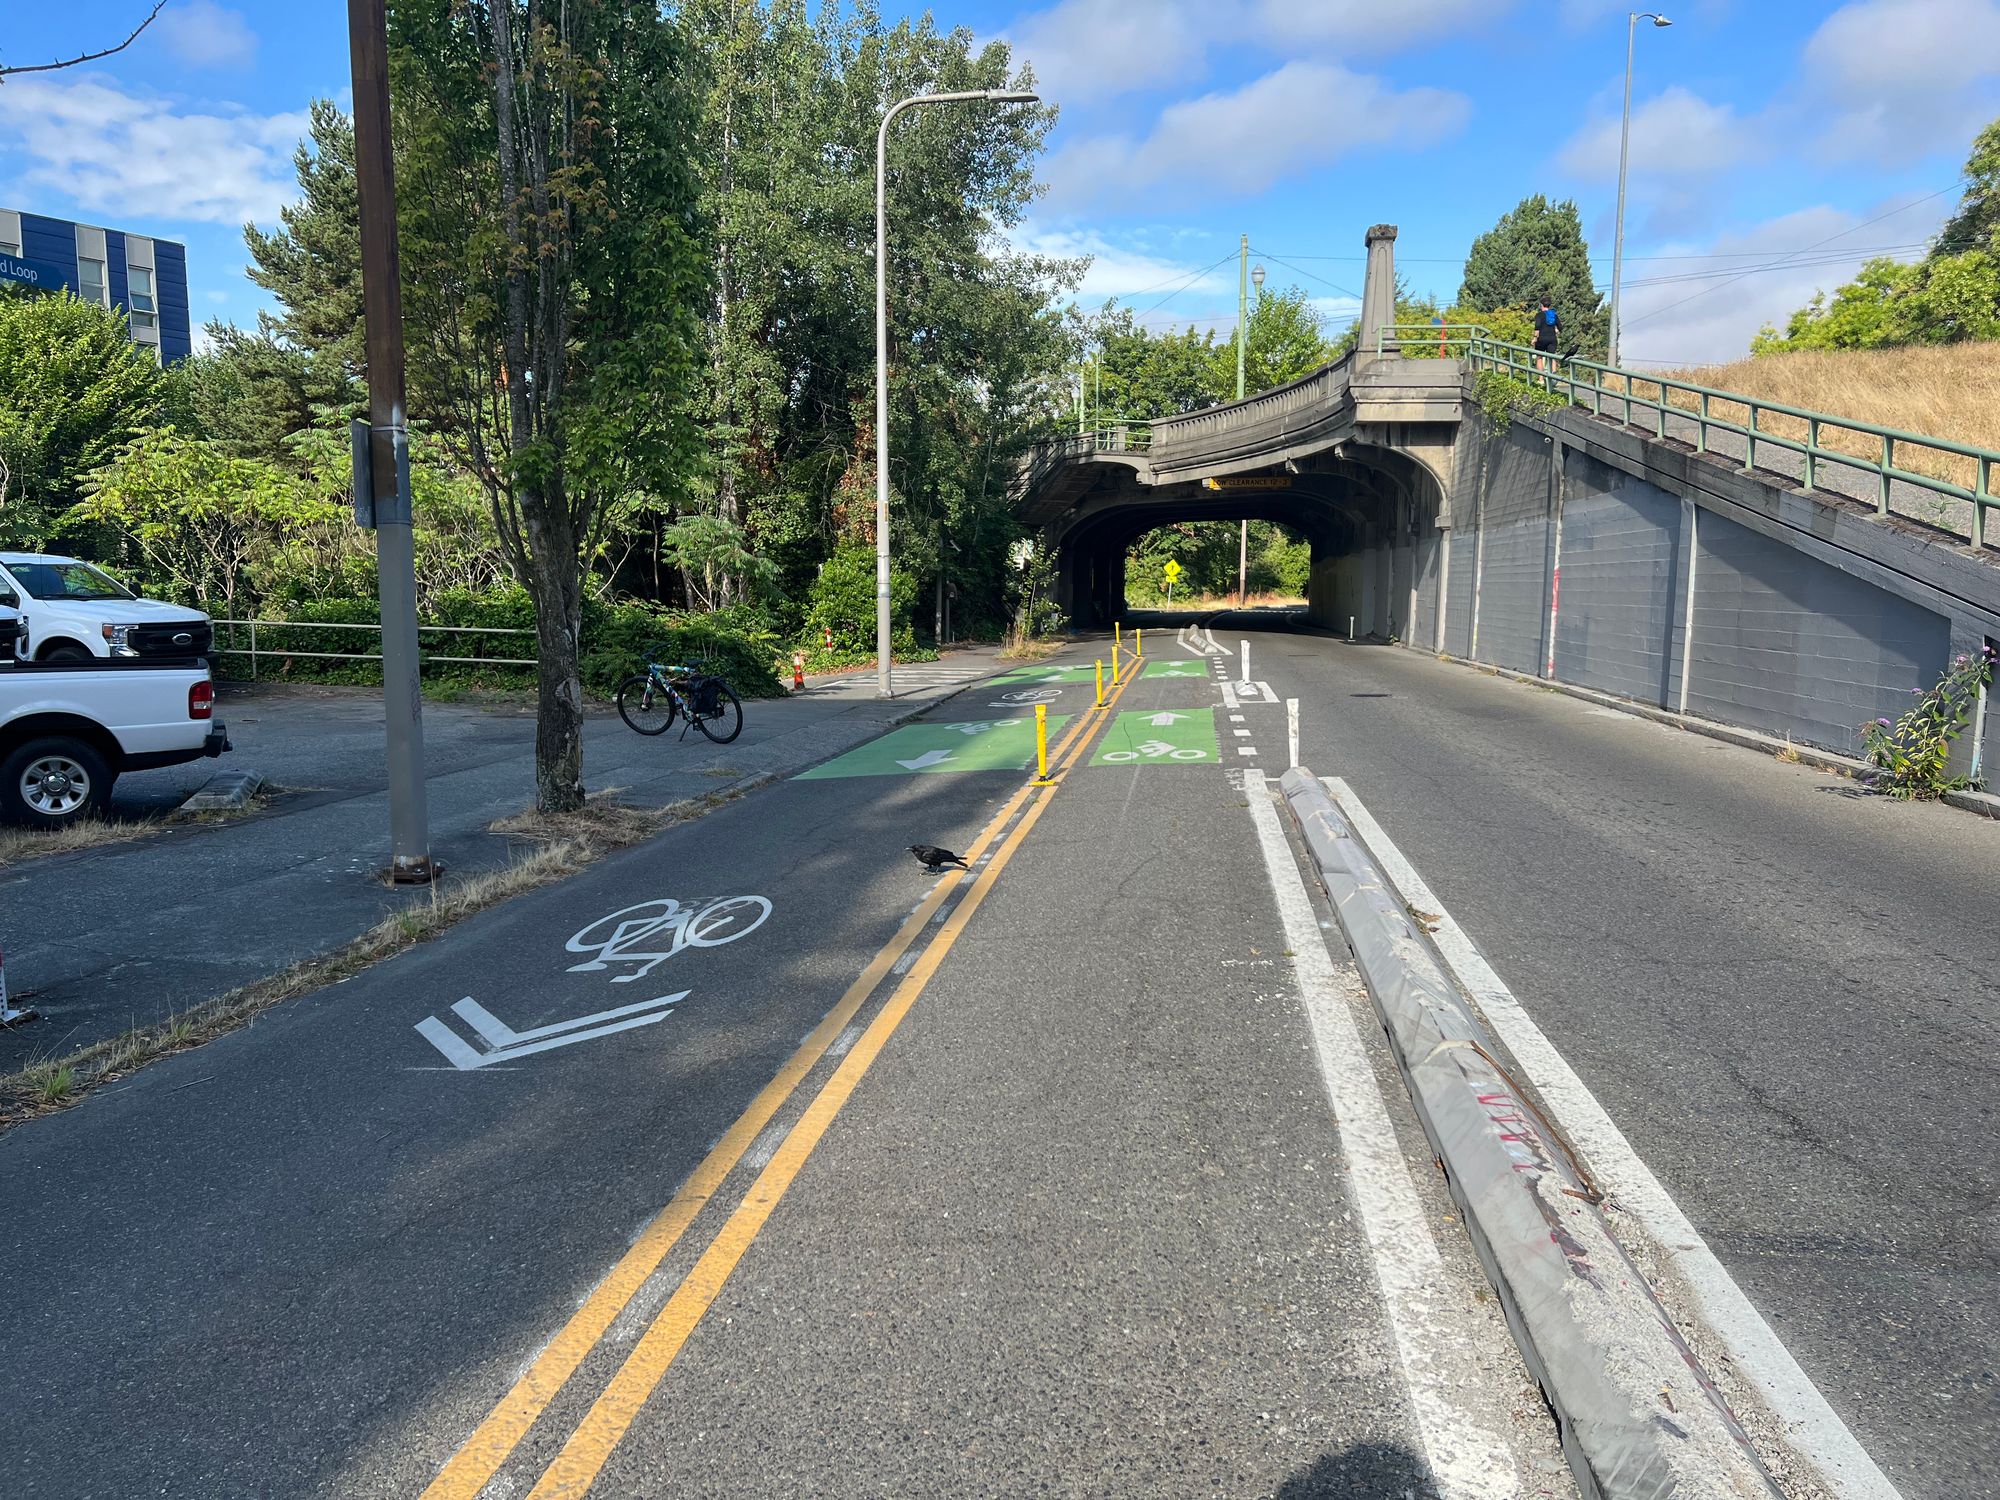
x=1548 y=335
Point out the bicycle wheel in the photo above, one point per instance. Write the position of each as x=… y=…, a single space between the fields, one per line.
x=726 y=722
x=645 y=706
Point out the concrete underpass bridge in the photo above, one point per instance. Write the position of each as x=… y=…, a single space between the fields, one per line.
x=1695 y=560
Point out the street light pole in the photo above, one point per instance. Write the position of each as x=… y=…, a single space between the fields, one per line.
x=883 y=686
x=1624 y=154
x=388 y=444
x=1243 y=528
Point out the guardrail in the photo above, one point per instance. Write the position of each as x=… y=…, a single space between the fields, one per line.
x=1119 y=437
x=1419 y=340
x=424 y=658
x=1891 y=454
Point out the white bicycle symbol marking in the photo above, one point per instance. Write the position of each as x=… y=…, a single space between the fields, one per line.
x=1156 y=750
x=1039 y=695
x=654 y=931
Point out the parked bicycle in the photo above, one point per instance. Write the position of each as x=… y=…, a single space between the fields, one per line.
x=650 y=701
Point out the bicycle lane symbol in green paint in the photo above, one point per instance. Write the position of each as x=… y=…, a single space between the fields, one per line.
x=1160 y=737
x=1036 y=676
x=984 y=745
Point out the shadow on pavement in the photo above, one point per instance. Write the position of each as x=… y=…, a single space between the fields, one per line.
x=1378 y=1471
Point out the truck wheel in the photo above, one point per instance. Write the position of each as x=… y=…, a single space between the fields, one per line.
x=50 y=783
x=67 y=651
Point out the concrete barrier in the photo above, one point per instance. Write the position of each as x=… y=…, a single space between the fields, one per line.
x=1639 y=1418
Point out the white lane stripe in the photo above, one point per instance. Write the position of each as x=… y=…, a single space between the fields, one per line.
x=1468 y=1461
x=1228 y=696
x=1809 y=1424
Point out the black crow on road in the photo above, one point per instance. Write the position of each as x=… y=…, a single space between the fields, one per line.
x=935 y=859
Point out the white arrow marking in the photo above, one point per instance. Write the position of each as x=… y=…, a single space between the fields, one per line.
x=506 y=1044
x=1165 y=718
x=928 y=758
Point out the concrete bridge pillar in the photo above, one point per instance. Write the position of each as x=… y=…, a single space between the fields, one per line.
x=1378 y=288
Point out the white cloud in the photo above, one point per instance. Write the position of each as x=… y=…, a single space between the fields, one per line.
x=125 y=156
x=1125 y=271
x=1098 y=49
x=1371 y=25
x=204 y=35
x=1677 y=134
x=1301 y=117
x=1681 y=322
x=1892 y=80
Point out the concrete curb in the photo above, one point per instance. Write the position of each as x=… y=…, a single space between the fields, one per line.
x=1984 y=803
x=228 y=792
x=1638 y=1417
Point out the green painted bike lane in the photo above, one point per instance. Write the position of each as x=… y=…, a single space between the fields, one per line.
x=981 y=745
x=1160 y=737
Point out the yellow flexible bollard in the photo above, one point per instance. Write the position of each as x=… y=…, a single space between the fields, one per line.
x=1117 y=634
x=1100 y=682
x=1042 y=745
x=1114 y=664
x=1139 y=636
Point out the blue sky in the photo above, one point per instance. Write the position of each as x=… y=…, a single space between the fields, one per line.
x=1774 y=145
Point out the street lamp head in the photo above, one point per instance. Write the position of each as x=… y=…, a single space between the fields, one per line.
x=1654 y=17
x=1012 y=96
x=1257 y=275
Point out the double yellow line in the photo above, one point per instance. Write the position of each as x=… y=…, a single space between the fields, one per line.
x=605 y=1425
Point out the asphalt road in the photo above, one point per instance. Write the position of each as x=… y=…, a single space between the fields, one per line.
x=1785 y=992
x=1083 y=1229
x=128 y=934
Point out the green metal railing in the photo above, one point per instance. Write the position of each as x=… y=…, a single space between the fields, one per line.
x=1587 y=383
x=1429 y=340
x=1119 y=437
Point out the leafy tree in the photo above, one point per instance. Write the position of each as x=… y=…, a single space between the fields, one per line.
x=73 y=388
x=552 y=284
x=1286 y=341
x=201 y=517
x=1537 y=250
x=1976 y=224
x=1949 y=297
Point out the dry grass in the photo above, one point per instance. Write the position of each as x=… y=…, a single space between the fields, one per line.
x=1952 y=392
x=566 y=843
x=18 y=844
x=1018 y=647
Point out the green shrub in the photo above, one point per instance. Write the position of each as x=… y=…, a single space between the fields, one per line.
x=1912 y=755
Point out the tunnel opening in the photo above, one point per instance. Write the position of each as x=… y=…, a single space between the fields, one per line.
x=1371 y=521
x=1206 y=565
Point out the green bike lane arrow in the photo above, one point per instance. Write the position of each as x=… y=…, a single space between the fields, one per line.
x=983 y=745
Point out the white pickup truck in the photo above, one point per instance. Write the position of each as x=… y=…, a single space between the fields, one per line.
x=68 y=730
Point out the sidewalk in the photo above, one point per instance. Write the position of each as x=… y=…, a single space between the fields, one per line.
x=125 y=935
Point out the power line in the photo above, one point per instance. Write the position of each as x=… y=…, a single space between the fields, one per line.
x=1645 y=317
x=1344 y=291
x=1185 y=284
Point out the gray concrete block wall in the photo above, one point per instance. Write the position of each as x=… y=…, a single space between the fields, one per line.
x=1513 y=592
x=1429 y=563
x=1458 y=590
x=1618 y=627
x=1786 y=644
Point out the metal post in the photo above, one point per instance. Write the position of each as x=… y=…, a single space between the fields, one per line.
x=1242 y=309
x=884 y=687
x=1624 y=156
x=1243 y=565
x=395 y=545
x=1100 y=682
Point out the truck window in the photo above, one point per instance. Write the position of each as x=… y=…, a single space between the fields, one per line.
x=67 y=580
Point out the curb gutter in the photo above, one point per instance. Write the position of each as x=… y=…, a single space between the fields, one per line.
x=1639 y=1419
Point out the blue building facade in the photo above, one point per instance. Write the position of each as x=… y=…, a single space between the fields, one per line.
x=146 y=279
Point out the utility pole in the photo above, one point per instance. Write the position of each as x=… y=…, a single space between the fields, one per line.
x=1242 y=342
x=387 y=446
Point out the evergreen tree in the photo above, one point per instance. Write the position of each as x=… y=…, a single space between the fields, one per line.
x=1537 y=251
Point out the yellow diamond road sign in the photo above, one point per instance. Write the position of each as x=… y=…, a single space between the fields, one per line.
x=1173 y=571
